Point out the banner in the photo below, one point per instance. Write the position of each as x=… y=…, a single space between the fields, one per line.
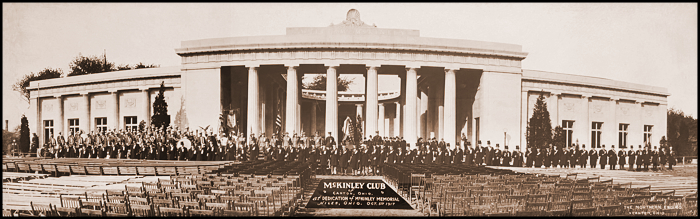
x=356 y=193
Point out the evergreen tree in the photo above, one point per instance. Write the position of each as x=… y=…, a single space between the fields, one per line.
x=559 y=139
x=24 y=135
x=539 y=127
x=160 y=116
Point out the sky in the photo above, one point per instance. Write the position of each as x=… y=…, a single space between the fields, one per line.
x=645 y=43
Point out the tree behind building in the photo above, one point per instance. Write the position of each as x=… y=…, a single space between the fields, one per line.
x=24 y=135
x=539 y=127
x=160 y=116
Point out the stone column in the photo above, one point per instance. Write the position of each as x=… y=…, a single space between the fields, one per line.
x=431 y=117
x=298 y=128
x=586 y=123
x=292 y=100
x=332 y=101
x=424 y=110
x=523 y=120
x=397 y=124
x=146 y=106
x=314 y=105
x=372 y=101
x=419 y=123
x=34 y=118
x=450 y=104
x=253 y=110
x=58 y=124
x=553 y=104
x=440 y=110
x=85 y=118
x=358 y=109
x=410 y=131
x=114 y=118
x=380 y=120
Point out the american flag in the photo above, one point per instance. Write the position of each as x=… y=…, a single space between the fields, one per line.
x=278 y=117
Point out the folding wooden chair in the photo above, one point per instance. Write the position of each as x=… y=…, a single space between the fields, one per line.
x=45 y=210
x=67 y=211
x=583 y=211
x=137 y=201
x=115 y=196
x=70 y=202
x=170 y=212
x=200 y=213
x=246 y=206
x=261 y=202
x=189 y=205
x=234 y=213
x=181 y=196
x=141 y=210
x=168 y=203
x=116 y=209
x=559 y=208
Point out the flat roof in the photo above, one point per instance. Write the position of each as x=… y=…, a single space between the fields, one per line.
x=107 y=76
x=592 y=81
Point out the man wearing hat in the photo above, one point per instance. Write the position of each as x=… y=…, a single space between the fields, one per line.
x=639 y=154
x=529 y=156
x=478 y=154
x=622 y=158
x=517 y=157
x=655 y=158
x=583 y=159
x=330 y=141
x=612 y=157
x=632 y=157
x=671 y=158
x=496 y=156
x=488 y=154
x=646 y=157
x=506 y=156
x=603 y=157
x=593 y=155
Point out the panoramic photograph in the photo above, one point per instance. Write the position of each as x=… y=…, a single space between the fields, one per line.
x=350 y=109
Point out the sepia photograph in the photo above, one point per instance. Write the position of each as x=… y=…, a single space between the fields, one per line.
x=349 y=109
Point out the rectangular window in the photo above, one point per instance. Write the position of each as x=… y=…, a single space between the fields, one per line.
x=476 y=122
x=74 y=125
x=622 y=135
x=647 y=134
x=596 y=132
x=130 y=123
x=101 y=124
x=48 y=130
x=568 y=127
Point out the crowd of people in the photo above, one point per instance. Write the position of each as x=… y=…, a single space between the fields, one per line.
x=326 y=156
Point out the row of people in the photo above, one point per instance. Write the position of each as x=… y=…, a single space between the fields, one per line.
x=578 y=156
x=172 y=144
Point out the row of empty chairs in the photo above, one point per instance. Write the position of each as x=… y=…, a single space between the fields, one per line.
x=479 y=192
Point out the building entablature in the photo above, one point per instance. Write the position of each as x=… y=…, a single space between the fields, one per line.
x=592 y=88
x=344 y=96
x=140 y=79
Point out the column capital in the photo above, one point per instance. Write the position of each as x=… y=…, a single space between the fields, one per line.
x=253 y=66
x=358 y=104
x=554 y=93
x=332 y=66
x=290 y=67
x=585 y=96
x=57 y=95
x=144 y=88
x=84 y=93
x=614 y=99
x=414 y=67
x=368 y=67
x=451 y=69
x=380 y=104
x=113 y=91
x=638 y=102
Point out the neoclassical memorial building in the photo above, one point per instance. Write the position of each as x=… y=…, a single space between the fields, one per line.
x=448 y=87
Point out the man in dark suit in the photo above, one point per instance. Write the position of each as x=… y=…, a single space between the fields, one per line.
x=593 y=155
x=622 y=158
x=612 y=157
x=497 y=156
x=583 y=159
x=506 y=157
x=603 y=153
x=632 y=156
x=330 y=141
